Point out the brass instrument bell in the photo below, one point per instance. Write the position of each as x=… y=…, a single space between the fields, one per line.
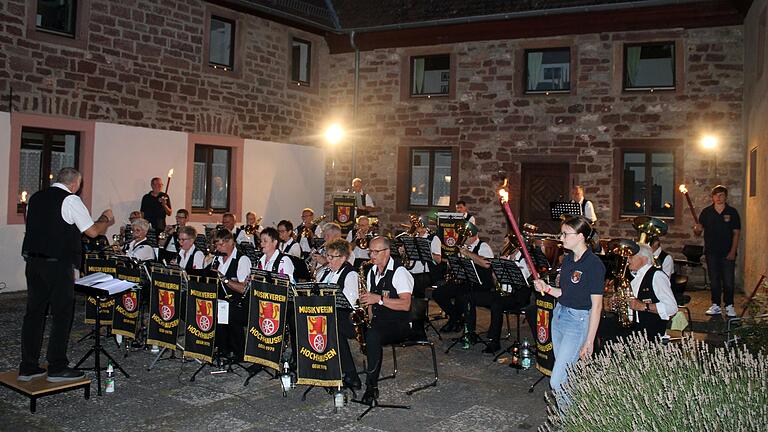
x=648 y=227
x=623 y=247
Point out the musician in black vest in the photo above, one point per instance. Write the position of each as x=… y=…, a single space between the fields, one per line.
x=233 y=268
x=389 y=299
x=139 y=247
x=653 y=301
x=287 y=244
x=170 y=249
x=587 y=207
x=423 y=279
x=307 y=231
x=156 y=205
x=189 y=257
x=55 y=219
x=342 y=273
x=365 y=203
x=475 y=295
x=461 y=207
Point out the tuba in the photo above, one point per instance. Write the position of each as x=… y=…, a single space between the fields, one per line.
x=648 y=227
x=359 y=316
x=622 y=290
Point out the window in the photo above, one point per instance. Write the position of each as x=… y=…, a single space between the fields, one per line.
x=548 y=70
x=211 y=178
x=57 y=16
x=221 y=52
x=753 y=172
x=649 y=66
x=648 y=183
x=42 y=154
x=431 y=176
x=430 y=75
x=301 y=61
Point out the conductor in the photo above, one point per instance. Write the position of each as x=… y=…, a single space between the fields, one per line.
x=55 y=219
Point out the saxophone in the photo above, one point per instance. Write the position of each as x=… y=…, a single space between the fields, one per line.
x=622 y=289
x=359 y=316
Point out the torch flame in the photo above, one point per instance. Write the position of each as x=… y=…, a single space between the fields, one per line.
x=683 y=189
x=170 y=173
x=503 y=194
x=24 y=196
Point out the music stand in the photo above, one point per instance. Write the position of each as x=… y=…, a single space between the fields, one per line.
x=97 y=349
x=250 y=251
x=463 y=270
x=417 y=248
x=559 y=208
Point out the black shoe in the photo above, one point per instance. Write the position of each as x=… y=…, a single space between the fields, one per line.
x=352 y=383
x=492 y=348
x=65 y=375
x=370 y=396
x=29 y=375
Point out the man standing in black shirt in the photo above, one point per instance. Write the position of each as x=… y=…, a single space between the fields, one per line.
x=156 y=205
x=721 y=226
x=55 y=219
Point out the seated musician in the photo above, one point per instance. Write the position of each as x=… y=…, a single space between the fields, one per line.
x=171 y=247
x=288 y=245
x=341 y=272
x=307 y=231
x=228 y=222
x=661 y=258
x=251 y=224
x=331 y=232
x=652 y=300
x=233 y=269
x=138 y=247
x=359 y=238
x=273 y=260
x=189 y=257
x=136 y=214
x=422 y=275
x=516 y=297
x=476 y=294
x=389 y=299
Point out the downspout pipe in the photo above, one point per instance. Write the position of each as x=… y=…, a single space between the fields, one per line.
x=355 y=99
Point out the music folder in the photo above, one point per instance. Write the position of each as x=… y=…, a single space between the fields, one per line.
x=417 y=248
x=507 y=272
x=463 y=269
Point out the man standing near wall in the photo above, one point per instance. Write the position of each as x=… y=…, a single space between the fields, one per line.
x=587 y=207
x=55 y=219
x=721 y=226
x=156 y=205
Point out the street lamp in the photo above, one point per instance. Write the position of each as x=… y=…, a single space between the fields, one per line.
x=334 y=134
x=710 y=143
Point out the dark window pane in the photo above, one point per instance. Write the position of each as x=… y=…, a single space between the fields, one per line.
x=301 y=57
x=221 y=48
x=548 y=70
x=431 y=177
x=663 y=189
x=430 y=75
x=57 y=16
x=634 y=183
x=42 y=154
x=649 y=66
x=441 y=182
x=210 y=178
x=649 y=183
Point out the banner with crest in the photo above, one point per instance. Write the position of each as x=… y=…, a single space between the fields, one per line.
x=164 y=309
x=448 y=230
x=268 y=302
x=344 y=205
x=202 y=302
x=317 y=359
x=545 y=356
x=95 y=264
x=127 y=320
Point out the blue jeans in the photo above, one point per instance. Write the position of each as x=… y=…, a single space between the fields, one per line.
x=721 y=279
x=569 y=331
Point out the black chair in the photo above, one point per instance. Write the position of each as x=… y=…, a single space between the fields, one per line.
x=693 y=254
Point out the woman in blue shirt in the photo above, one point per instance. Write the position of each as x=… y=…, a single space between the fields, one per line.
x=580 y=301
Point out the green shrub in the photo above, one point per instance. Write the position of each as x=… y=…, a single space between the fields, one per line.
x=638 y=386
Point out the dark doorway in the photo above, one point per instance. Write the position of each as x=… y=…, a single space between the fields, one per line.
x=542 y=183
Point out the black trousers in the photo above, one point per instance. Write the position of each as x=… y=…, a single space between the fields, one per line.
x=721 y=278
x=421 y=281
x=231 y=337
x=346 y=332
x=50 y=285
x=382 y=333
x=448 y=297
x=499 y=304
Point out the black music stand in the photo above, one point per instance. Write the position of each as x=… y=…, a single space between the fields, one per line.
x=507 y=273
x=560 y=208
x=251 y=252
x=420 y=249
x=183 y=303
x=97 y=349
x=463 y=270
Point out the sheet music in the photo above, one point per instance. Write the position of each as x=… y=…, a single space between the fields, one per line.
x=93 y=279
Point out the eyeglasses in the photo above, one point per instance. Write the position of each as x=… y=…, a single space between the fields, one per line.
x=565 y=234
x=377 y=251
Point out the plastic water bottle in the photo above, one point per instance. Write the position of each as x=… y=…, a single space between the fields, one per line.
x=110 y=381
x=525 y=355
x=285 y=378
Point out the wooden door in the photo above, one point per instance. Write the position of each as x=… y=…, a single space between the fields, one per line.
x=542 y=183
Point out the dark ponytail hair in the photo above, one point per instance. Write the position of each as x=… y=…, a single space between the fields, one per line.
x=583 y=226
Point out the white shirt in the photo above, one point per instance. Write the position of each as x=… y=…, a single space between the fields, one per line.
x=519 y=260
x=294 y=248
x=589 y=210
x=73 y=211
x=197 y=257
x=359 y=199
x=285 y=267
x=243 y=237
x=485 y=250
x=356 y=251
x=304 y=243
x=668 y=266
x=667 y=305
x=243 y=265
x=435 y=248
x=471 y=219
x=350 y=282
x=140 y=250
x=401 y=280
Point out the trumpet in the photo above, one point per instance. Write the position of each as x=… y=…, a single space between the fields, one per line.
x=307 y=231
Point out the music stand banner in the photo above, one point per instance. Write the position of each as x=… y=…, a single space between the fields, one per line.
x=200 y=337
x=267 y=307
x=164 y=310
x=106 y=307
x=126 y=317
x=318 y=361
x=344 y=206
x=447 y=225
x=545 y=356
